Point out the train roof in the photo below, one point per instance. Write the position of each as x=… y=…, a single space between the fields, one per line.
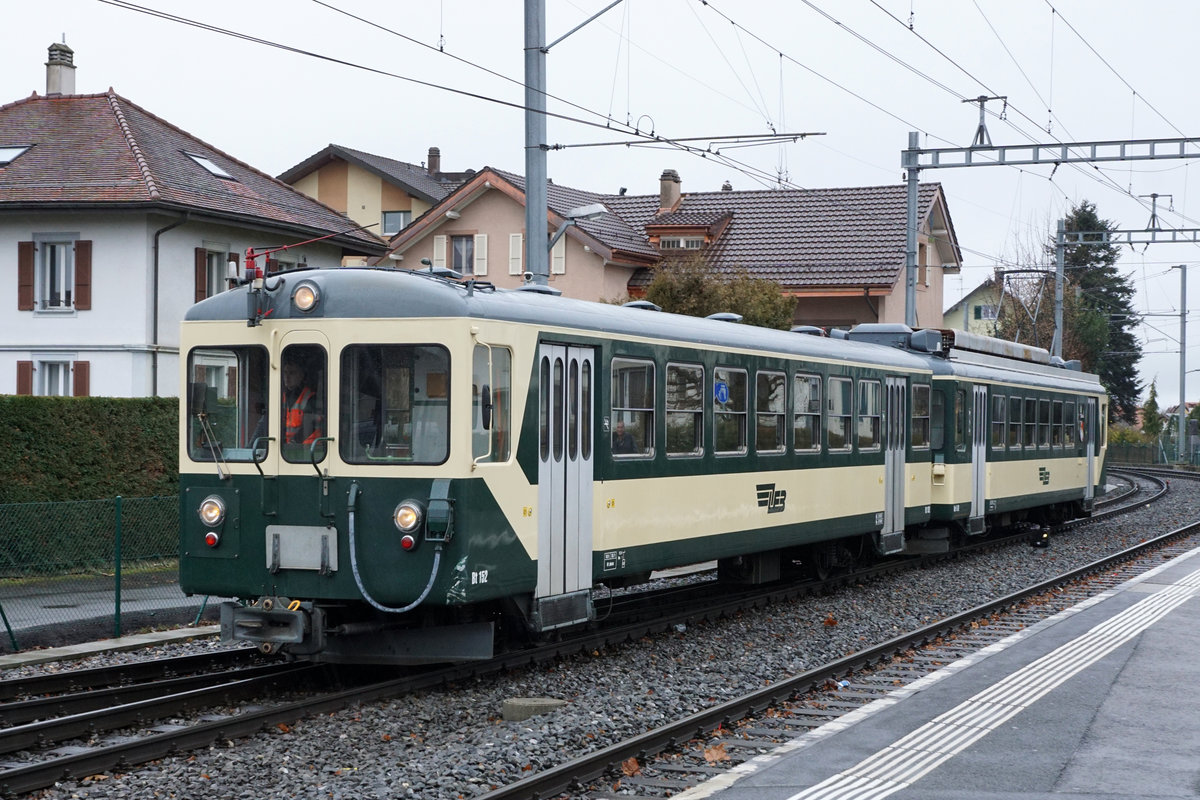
x=380 y=293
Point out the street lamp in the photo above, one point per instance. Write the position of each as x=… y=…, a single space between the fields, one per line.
x=572 y=217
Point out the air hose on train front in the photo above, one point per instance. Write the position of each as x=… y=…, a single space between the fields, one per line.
x=351 y=508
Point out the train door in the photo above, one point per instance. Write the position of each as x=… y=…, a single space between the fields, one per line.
x=565 y=386
x=1088 y=435
x=891 y=538
x=979 y=411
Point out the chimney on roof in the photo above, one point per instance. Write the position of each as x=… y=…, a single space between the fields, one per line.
x=726 y=187
x=435 y=161
x=668 y=190
x=60 y=70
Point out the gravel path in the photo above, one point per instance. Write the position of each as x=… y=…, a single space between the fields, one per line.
x=452 y=743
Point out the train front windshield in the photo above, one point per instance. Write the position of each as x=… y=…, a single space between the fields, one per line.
x=394 y=404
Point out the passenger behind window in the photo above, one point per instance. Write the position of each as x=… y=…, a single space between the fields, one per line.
x=622 y=440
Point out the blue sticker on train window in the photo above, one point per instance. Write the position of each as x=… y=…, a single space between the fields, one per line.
x=721 y=392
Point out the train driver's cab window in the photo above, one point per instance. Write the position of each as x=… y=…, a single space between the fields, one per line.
x=1014 y=423
x=937 y=419
x=227 y=404
x=1069 y=424
x=729 y=410
x=491 y=401
x=920 y=416
x=685 y=410
x=770 y=403
x=806 y=409
x=303 y=384
x=395 y=404
x=869 y=415
x=837 y=421
x=998 y=407
x=632 y=407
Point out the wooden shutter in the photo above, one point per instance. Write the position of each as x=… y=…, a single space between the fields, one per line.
x=558 y=257
x=83 y=275
x=81 y=371
x=480 y=254
x=439 y=251
x=25 y=252
x=515 y=253
x=24 y=377
x=201 y=274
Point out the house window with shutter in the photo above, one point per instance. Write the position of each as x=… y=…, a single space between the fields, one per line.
x=52 y=378
x=212 y=269
x=462 y=254
x=54 y=273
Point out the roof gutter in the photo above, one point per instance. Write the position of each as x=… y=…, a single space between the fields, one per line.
x=154 y=305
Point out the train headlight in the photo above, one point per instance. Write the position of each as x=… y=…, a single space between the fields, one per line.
x=212 y=511
x=408 y=516
x=306 y=296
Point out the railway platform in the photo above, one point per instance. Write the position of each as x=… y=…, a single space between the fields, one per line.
x=1100 y=702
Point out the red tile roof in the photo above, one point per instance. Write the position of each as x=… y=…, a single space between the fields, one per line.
x=104 y=151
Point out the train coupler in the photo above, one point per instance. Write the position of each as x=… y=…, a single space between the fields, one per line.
x=272 y=622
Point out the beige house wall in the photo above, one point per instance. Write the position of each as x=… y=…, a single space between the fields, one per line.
x=585 y=275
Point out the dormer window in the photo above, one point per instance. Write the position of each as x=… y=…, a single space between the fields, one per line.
x=209 y=165
x=680 y=243
x=11 y=154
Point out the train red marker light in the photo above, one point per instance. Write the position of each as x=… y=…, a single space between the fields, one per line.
x=408 y=542
x=212 y=538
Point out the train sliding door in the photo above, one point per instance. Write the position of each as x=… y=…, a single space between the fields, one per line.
x=891 y=538
x=979 y=412
x=1088 y=435
x=565 y=390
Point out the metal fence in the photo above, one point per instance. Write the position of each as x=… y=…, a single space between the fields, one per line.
x=77 y=571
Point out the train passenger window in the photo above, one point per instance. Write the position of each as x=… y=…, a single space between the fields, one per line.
x=491 y=401
x=1069 y=424
x=1030 y=422
x=961 y=421
x=632 y=407
x=869 y=415
x=920 y=416
x=1044 y=423
x=1056 y=424
x=1014 y=423
x=544 y=409
x=685 y=410
x=227 y=404
x=395 y=404
x=557 y=412
x=770 y=402
x=729 y=410
x=937 y=419
x=302 y=427
x=998 y=406
x=837 y=423
x=585 y=400
x=806 y=412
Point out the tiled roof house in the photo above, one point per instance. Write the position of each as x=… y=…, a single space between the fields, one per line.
x=112 y=223
x=374 y=191
x=840 y=252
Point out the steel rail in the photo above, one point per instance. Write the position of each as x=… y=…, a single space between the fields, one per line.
x=560 y=778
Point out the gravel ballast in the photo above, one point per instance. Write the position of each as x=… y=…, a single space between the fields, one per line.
x=454 y=743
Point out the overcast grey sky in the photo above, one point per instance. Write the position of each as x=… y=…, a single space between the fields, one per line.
x=1086 y=70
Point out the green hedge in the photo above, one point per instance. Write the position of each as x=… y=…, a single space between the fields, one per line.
x=87 y=448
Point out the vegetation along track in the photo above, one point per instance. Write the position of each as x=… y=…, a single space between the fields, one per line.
x=88 y=754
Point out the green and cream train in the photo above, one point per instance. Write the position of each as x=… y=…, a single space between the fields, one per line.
x=482 y=459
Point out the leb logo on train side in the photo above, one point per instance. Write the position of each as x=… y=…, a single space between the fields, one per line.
x=770 y=498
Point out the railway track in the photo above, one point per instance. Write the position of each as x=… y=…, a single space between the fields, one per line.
x=677 y=756
x=90 y=723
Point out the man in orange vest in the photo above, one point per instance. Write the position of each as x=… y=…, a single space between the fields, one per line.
x=301 y=423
